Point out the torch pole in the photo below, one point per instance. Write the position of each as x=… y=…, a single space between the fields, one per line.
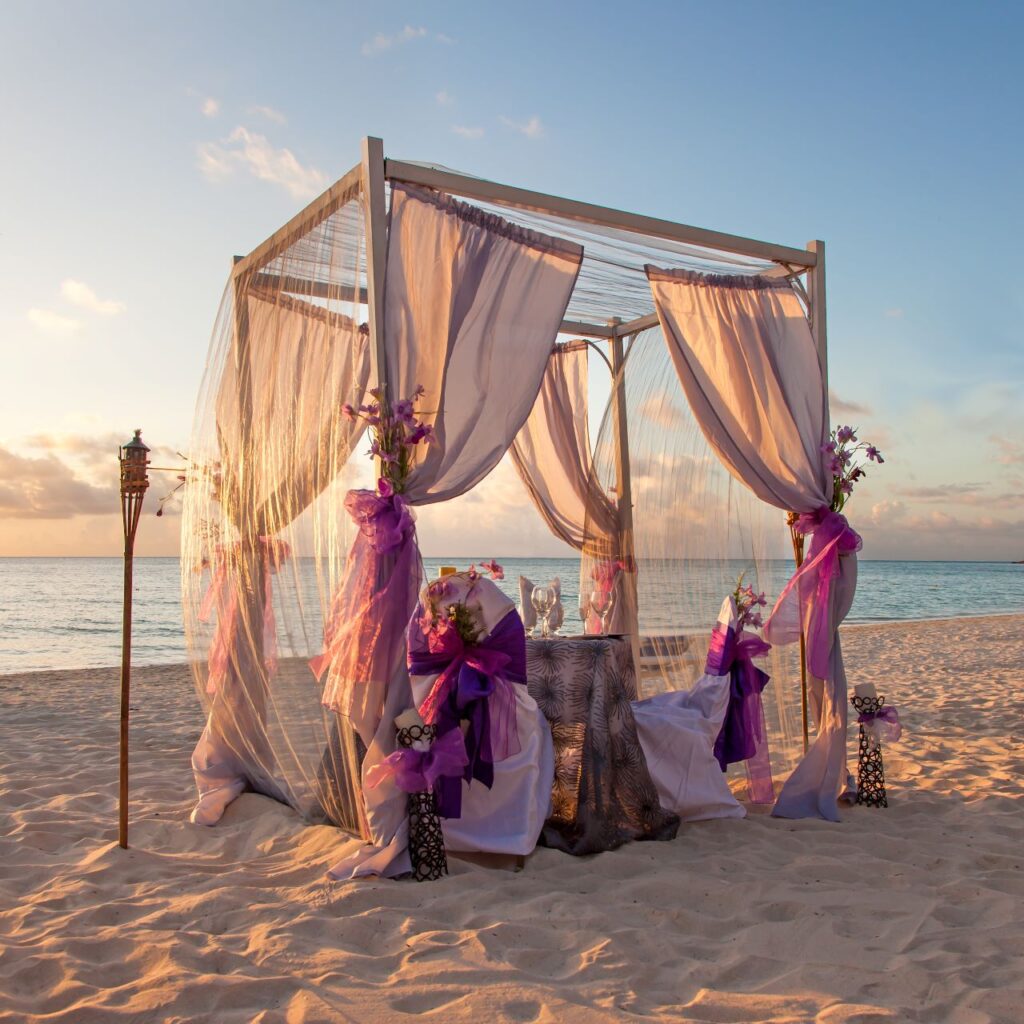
x=134 y=482
x=798 y=557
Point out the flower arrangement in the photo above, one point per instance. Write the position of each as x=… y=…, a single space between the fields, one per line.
x=440 y=615
x=396 y=432
x=840 y=452
x=748 y=605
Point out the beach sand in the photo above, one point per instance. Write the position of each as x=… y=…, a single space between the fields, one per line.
x=913 y=913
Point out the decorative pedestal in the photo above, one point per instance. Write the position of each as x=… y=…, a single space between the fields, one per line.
x=426 y=841
x=870 y=771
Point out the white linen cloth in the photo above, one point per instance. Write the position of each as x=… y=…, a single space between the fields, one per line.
x=747 y=360
x=472 y=308
x=677 y=733
x=508 y=817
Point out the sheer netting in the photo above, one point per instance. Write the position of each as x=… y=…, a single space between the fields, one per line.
x=264 y=536
x=696 y=531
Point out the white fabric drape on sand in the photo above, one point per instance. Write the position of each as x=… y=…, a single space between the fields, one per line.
x=749 y=366
x=473 y=306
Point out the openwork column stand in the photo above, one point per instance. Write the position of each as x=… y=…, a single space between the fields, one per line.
x=426 y=841
x=870 y=770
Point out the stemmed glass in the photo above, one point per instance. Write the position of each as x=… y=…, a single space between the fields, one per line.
x=542 y=600
x=602 y=602
x=584 y=609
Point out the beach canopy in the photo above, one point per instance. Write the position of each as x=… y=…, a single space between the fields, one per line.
x=500 y=304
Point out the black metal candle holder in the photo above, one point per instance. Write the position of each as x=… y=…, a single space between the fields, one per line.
x=870 y=770
x=426 y=840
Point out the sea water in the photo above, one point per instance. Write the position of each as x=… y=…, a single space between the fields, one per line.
x=66 y=612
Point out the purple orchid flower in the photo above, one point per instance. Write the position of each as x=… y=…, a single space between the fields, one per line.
x=874 y=454
x=845 y=434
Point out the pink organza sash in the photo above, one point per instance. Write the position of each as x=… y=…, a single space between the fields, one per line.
x=222 y=595
x=805 y=600
x=365 y=627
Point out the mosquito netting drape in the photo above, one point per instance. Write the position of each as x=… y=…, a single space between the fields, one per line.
x=264 y=533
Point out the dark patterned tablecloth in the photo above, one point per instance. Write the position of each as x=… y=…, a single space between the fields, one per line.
x=603 y=794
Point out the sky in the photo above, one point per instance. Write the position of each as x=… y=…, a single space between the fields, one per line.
x=145 y=144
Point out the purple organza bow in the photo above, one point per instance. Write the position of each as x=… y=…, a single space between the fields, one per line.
x=416 y=771
x=811 y=586
x=475 y=684
x=743 y=736
x=882 y=725
x=384 y=520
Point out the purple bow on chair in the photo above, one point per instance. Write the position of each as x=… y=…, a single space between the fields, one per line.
x=743 y=736
x=475 y=684
x=882 y=725
x=416 y=771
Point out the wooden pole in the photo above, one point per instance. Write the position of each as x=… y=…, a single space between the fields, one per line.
x=133 y=490
x=798 y=557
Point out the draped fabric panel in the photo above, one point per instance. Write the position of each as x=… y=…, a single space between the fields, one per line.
x=472 y=308
x=269 y=444
x=552 y=455
x=748 y=364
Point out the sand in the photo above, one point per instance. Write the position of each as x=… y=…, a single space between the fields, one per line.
x=907 y=914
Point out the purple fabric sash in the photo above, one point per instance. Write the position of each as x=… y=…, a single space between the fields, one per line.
x=806 y=597
x=474 y=684
x=416 y=771
x=882 y=725
x=365 y=627
x=743 y=736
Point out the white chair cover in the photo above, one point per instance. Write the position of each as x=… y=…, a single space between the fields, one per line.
x=677 y=733
x=508 y=817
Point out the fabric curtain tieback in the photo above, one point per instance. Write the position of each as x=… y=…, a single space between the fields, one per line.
x=743 y=736
x=222 y=594
x=476 y=684
x=386 y=526
x=811 y=585
x=416 y=771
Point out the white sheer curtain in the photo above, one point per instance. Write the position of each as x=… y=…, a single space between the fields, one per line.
x=473 y=305
x=278 y=440
x=747 y=361
x=552 y=455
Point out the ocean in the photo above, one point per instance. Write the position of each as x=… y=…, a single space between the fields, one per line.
x=66 y=612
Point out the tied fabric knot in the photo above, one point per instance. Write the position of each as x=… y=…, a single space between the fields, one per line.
x=358 y=609
x=881 y=726
x=416 y=771
x=743 y=736
x=222 y=594
x=811 y=586
x=475 y=684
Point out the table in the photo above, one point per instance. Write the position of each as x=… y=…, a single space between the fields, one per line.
x=603 y=794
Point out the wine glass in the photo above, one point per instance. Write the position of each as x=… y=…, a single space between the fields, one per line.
x=602 y=602
x=584 y=609
x=542 y=599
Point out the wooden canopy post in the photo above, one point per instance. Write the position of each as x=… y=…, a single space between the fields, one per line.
x=134 y=482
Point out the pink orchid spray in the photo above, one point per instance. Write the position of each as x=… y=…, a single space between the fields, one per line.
x=840 y=453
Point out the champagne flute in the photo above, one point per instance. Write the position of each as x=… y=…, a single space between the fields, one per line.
x=541 y=599
x=602 y=602
x=584 y=609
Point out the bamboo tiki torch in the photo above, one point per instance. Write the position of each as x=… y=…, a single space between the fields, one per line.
x=798 y=557
x=134 y=482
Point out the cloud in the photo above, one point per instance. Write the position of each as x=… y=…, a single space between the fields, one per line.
x=47 y=488
x=48 y=322
x=381 y=42
x=270 y=114
x=660 y=409
x=444 y=98
x=532 y=129
x=842 y=407
x=466 y=132
x=210 y=107
x=250 y=152
x=894 y=314
x=1011 y=453
x=80 y=294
